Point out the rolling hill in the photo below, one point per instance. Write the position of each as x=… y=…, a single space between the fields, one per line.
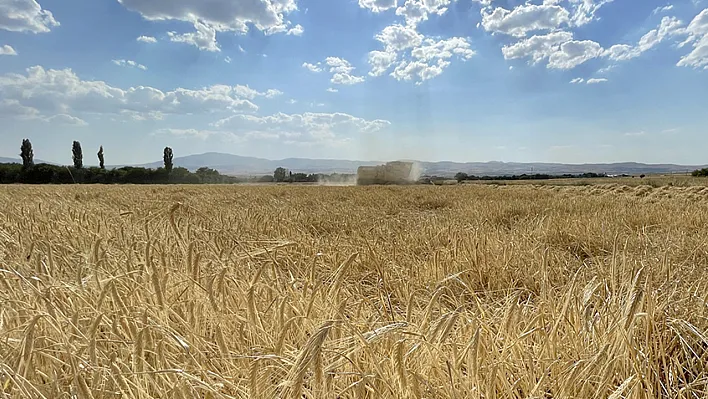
x=18 y=160
x=240 y=165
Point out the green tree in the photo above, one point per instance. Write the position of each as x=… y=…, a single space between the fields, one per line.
x=100 y=159
x=280 y=174
x=77 y=155
x=183 y=176
x=167 y=158
x=27 y=154
x=208 y=175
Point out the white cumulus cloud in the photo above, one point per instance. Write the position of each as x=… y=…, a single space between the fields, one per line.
x=13 y=109
x=416 y=58
x=431 y=58
x=377 y=5
x=443 y=49
x=312 y=67
x=248 y=93
x=7 y=50
x=338 y=65
x=562 y=52
x=398 y=37
x=558 y=46
x=697 y=32
x=297 y=30
x=51 y=92
x=209 y=17
x=25 y=16
x=346 y=79
x=698 y=58
x=129 y=63
x=658 y=10
x=419 y=71
x=342 y=72
x=596 y=81
x=203 y=38
x=146 y=39
x=65 y=119
x=416 y=11
x=573 y=53
x=272 y=93
x=621 y=52
x=380 y=62
x=698 y=27
x=524 y=18
x=307 y=127
x=669 y=26
x=537 y=48
x=222 y=15
x=584 y=10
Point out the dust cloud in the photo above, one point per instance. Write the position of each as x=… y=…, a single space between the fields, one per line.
x=417 y=171
x=337 y=180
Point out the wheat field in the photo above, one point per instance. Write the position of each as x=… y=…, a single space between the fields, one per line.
x=472 y=291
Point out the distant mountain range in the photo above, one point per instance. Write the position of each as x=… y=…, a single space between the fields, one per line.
x=18 y=160
x=7 y=160
x=239 y=165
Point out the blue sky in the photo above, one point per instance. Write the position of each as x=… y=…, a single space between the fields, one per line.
x=464 y=80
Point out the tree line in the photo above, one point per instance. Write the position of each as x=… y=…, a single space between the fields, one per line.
x=460 y=177
x=43 y=173
x=282 y=175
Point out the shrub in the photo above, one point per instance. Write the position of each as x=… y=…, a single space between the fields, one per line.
x=700 y=172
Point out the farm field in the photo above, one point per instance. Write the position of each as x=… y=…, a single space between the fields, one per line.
x=469 y=291
x=653 y=181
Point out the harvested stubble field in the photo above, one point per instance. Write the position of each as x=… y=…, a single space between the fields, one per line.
x=421 y=292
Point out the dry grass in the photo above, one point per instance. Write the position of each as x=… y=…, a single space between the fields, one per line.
x=678 y=180
x=420 y=292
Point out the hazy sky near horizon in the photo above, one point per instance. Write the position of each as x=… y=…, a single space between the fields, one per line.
x=464 y=80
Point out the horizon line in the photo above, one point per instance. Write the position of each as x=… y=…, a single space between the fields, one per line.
x=382 y=162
